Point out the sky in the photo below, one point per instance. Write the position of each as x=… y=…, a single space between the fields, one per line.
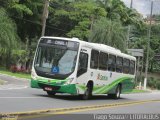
x=144 y=6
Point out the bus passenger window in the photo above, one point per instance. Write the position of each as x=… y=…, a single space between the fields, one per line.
x=132 y=67
x=126 y=66
x=94 y=59
x=119 y=64
x=112 y=63
x=103 y=60
x=83 y=64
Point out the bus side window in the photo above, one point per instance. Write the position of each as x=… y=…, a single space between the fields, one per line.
x=112 y=63
x=126 y=66
x=94 y=59
x=132 y=67
x=119 y=64
x=82 y=64
x=103 y=60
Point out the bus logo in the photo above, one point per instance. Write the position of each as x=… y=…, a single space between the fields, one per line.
x=101 y=77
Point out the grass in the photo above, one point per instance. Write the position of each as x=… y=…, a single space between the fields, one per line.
x=18 y=75
x=136 y=91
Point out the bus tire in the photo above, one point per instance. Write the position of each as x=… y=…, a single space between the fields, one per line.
x=51 y=93
x=88 y=93
x=117 y=93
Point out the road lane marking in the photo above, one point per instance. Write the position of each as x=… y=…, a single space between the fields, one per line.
x=76 y=109
x=106 y=106
x=91 y=109
x=51 y=112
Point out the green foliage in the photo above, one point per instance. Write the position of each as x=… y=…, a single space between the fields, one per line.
x=8 y=36
x=74 y=18
x=21 y=9
x=9 y=39
x=81 y=30
x=158 y=84
x=27 y=17
x=109 y=32
x=102 y=21
x=84 y=14
x=116 y=10
x=139 y=39
x=154 y=83
x=19 y=56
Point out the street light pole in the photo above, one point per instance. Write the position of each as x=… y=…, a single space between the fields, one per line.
x=129 y=27
x=148 y=46
x=131 y=4
x=44 y=16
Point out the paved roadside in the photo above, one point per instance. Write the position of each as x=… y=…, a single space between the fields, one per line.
x=12 y=82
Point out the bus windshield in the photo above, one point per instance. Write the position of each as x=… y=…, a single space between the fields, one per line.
x=56 y=59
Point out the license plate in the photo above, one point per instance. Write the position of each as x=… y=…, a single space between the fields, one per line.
x=48 y=88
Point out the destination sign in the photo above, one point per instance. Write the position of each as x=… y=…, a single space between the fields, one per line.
x=66 y=43
x=60 y=42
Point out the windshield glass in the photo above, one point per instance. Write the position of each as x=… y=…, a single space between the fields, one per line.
x=56 y=60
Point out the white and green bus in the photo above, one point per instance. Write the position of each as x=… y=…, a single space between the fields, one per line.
x=69 y=65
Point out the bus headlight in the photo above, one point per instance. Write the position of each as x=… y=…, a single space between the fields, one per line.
x=69 y=81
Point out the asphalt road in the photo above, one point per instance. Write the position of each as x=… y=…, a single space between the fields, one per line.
x=25 y=99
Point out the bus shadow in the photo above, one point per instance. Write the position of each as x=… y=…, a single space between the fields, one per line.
x=79 y=98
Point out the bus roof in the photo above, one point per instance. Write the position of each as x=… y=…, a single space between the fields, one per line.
x=97 y=46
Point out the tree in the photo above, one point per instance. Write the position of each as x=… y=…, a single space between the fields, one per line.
x=116 y=10
x=139 y=41
x=27 y=15
x=74 y=18
x=8 y=36
x=85 y=14
x=109 y=32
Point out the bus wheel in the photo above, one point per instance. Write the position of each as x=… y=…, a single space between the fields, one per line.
x=50 y=93
x=117 y=93
x=88 y=93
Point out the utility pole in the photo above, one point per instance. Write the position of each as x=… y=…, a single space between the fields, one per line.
x=44 y=16
x=131 y=4
x=91 y=28
x=148 y=47
x=129 y=27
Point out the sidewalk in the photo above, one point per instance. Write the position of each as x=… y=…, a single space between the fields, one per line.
x=1 y=74
x=14 y=80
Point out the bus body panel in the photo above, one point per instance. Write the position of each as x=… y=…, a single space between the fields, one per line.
x=104 y=81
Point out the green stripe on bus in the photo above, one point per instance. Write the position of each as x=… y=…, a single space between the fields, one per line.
x=110 y=86
x=71 y=88
x=107 y=88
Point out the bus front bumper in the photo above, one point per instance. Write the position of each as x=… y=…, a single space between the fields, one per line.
x=70 y=88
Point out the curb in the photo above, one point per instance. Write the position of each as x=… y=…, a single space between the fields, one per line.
x=64 y=110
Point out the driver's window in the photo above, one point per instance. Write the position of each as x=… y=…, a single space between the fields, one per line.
x=82 y=64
